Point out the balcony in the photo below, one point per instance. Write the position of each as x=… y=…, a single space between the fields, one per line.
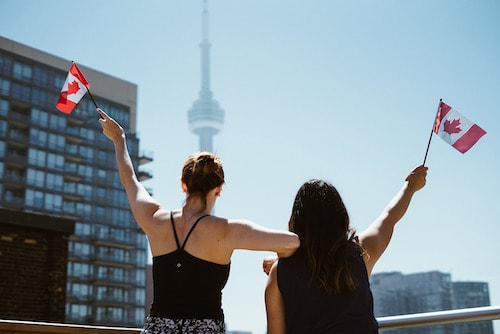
x=11 y=201
x=16 y=159
x=19 y=119
x=145 y=157
x=14 y=180
x=144 y=175
x=18 y=139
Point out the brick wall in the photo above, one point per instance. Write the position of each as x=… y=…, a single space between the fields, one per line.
x=33 y=262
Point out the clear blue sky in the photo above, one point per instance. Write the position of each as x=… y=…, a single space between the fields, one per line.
x=341 y=90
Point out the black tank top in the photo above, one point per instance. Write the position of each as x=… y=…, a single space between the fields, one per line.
x=310 y=309
x=187 y=287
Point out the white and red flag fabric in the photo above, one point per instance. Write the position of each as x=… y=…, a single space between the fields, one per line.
x=73 y=90
x=455 y=129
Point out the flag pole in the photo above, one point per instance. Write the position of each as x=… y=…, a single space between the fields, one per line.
x=90 y=94
x=432 y=130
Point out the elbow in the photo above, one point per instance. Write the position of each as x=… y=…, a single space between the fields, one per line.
x=292 y=243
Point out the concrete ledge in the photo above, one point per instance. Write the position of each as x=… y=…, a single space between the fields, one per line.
x=29 y=327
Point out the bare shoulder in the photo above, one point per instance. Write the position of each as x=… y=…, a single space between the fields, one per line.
x=158 y=224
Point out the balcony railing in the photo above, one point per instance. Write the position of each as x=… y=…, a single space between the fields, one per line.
x=440 y=318
x=386 y=323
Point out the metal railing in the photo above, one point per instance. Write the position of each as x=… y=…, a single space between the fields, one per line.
x=386 y=323
x=440 y=317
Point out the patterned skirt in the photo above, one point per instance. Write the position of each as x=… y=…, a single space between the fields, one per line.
x=157 y=325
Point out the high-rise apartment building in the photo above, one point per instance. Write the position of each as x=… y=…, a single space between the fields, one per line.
x=396 y=294
x=64 y=166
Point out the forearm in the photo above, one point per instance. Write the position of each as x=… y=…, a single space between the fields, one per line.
x=397 y=207
x=124 y=163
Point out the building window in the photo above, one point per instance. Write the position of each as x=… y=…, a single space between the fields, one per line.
x=38 y=137
x=86 y=152
x=40 y=118
x=140 y=276
x=35 y=177
x=85 y=171
x=4 y=107
x=77 y=269
x=34 y=198
x=79 y=290
x=83 y=209
x=54 y=181
x=36 y=157
x=59 y=81
x=69 y=206
x=87 y=134
x=5 y=65
x=1 y=171
x=57 y=122
x=20 y=92
x=85 y=191
x=139 y=314
x=39 y=97
x=22 y=71
x=53 y=202
x=4 y=87
x=55 y=161
x=79 y=248
x=2 y=148
x=57 y=142
x=3 y=128
x=140 y=296
x=79 y=311
x=101 y=173
x=82 y=229
x=40 y=77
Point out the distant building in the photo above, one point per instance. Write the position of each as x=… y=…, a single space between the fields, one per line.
x=62 y=165
x=472 y=294
x=33 y=264
x=205 y=117
x=396 y=294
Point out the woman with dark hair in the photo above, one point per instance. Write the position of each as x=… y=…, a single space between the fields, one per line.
x=324 y=287
x=191 y=248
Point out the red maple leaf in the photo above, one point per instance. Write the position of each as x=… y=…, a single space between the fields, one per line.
x=452 y=127
x=73 y=87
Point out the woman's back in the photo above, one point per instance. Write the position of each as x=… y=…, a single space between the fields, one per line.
x=310 y=309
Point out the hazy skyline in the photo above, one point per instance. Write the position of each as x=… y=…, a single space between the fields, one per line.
x=345 y=91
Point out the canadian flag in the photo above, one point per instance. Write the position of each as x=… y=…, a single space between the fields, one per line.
x=73 y=90
x=455 y=129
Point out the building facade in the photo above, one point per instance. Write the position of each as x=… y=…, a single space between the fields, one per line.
x=63 y=165
x=396 y=294
x=33 y=265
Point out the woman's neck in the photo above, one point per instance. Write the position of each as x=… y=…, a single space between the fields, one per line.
x=196 y=206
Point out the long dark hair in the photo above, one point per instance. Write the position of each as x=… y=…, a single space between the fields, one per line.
x=320 y=219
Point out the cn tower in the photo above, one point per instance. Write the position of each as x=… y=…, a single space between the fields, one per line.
x=205 y=116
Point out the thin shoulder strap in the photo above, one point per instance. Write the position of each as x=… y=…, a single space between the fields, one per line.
x=191 y=230
x=175 y=232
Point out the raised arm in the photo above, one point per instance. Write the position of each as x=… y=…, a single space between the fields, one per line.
x=143 y=206
x=242 y=234
x=377 y=236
